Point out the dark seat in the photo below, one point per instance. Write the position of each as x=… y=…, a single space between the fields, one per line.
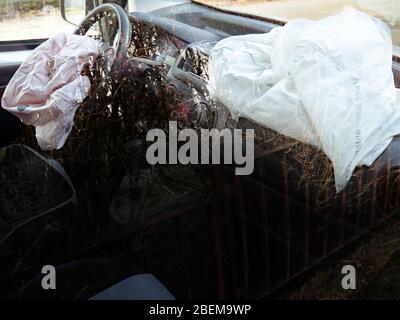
x=306 y=174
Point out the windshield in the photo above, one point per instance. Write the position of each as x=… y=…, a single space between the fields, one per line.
x=285 y=10
x=151 y=5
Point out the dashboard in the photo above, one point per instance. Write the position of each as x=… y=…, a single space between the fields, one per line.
x=185 y=66
x=180 y=38
x=152 y=43
x=186 y=62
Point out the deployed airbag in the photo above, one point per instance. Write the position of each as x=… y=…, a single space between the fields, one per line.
x=327 y=83
x=47 y=88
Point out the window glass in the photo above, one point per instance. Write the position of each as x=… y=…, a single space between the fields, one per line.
x=285 y=10
x=31 y=19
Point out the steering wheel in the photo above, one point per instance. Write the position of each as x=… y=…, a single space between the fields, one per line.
x=122 y=38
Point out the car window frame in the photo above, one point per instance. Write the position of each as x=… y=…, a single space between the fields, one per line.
x=18 y=45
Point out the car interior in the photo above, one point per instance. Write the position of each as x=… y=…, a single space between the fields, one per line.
x=262 y=231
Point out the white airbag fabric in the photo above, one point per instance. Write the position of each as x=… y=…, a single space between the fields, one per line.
x=47 y=88
x=327 y=83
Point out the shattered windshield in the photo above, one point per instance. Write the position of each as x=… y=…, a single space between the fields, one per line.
x=285 y=10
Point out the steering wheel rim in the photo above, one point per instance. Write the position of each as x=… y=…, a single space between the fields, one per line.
x=124 y=33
